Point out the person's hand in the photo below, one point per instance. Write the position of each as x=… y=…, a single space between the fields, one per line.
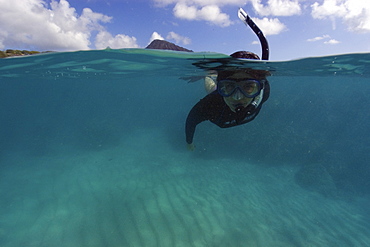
x=191 y=146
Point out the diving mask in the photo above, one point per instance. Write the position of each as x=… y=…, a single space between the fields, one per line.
x=250 y=88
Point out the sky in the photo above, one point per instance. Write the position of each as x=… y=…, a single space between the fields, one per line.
x=294 y=28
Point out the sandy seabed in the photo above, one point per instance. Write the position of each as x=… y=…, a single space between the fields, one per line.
x=146 y=195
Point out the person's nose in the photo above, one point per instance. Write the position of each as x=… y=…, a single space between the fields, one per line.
x=238 y=95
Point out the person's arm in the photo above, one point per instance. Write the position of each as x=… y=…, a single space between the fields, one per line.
x=197 y=114
x=195 y=117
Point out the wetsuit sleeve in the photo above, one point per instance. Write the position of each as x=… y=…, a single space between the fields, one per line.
x=196 y=115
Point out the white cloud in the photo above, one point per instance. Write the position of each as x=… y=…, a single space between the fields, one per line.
x=319 y=38
x=201 y=10
x=270 y=26
x=326 y=37
x=178 y=38
x=104 y=39
x=210 y=13
x=154 y=36
x=354 y=13
x=33 y=24
x=163 y=3
x=332 y=42
x=277 y=7
x=328 y=8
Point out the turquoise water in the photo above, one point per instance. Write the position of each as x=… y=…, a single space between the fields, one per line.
x=93 y=153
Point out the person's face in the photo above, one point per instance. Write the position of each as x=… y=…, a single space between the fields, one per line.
x=238 y=99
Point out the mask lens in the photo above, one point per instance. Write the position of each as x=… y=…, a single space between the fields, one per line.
x=249 y=88
x=226 y=87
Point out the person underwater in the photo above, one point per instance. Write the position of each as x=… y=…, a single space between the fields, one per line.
x=238 y=94
x=237 y=99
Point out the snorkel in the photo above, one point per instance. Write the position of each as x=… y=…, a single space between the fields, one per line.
x=243 y=16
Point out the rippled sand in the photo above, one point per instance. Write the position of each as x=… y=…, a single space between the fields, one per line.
x=146 y=195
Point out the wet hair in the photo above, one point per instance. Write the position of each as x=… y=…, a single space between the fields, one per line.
x=245 y=55
x=257 y=74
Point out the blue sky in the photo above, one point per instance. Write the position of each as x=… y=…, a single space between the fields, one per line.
x=294 y=28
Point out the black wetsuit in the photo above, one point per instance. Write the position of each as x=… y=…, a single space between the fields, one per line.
x=213 y=108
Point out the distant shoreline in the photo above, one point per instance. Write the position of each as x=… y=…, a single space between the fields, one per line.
x=18 y=53
x=155 y=44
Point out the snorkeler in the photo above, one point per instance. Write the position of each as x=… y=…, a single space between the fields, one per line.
x=238 y=95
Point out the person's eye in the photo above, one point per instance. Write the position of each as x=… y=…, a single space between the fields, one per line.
x=229 y=85
x=249 y=87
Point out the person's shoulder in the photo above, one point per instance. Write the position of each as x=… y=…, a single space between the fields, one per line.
x=212 y=97
x=211 y=102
